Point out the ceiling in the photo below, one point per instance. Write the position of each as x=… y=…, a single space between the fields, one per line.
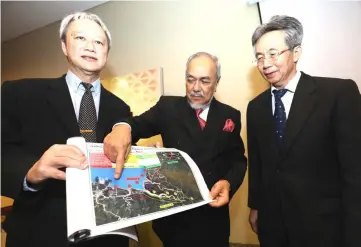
x=21 y=17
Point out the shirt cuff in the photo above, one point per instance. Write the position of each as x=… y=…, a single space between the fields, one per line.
x=27 y=188
x=123 y=123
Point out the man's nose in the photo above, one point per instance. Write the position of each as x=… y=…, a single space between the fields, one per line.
x=89 y=46
x=266 y=63
x=196 y=86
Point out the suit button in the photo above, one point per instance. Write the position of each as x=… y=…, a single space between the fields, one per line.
x=278 y=170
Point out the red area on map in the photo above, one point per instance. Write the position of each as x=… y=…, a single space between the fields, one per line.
x=99 y=161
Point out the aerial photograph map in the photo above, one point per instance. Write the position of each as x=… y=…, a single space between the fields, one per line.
x=150 y=182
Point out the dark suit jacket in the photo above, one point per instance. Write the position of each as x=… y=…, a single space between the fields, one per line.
x=37 y=113
x=313 y=181
x=218 y=154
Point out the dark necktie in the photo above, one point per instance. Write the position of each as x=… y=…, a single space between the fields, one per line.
x=202 y=123
x=279 y=114
x=87 y=115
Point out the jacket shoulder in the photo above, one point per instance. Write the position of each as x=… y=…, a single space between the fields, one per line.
x=28 y=82
x=227 y=108
x=260 y=97
x=27 y=88
x=332 y=86
x=169 y=98
x=168 y=102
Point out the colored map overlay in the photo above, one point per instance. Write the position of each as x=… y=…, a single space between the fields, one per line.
x=149 y=183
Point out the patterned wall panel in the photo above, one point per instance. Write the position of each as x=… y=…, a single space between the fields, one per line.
x=140 y=90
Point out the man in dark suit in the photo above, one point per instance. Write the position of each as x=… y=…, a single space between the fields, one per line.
x=304 y=142
x=209 y=132
x=38 y=116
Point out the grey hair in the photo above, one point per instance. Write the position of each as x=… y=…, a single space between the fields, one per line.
x=81 y=16
x=206 y=54
x=291 y=26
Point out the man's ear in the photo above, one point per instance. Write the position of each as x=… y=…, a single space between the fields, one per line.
x=63 y=47
x=217 y=82
x=297 y=52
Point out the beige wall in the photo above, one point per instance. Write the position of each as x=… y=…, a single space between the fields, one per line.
x=155 y=33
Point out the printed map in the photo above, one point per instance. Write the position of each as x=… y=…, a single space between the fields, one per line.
x=150 y=182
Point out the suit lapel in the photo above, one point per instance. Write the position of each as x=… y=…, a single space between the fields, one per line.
x=59 y=97
x=215 y=120
x=104 y=113
x=303 y=103
x=187 y=116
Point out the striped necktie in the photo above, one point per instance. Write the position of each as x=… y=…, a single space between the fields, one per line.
x=202 y=123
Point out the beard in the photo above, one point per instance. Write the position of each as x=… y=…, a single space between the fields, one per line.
x=199 y=106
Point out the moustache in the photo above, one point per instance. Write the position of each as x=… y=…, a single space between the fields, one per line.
x=196 y=94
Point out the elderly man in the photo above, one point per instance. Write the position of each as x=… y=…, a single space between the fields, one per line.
x=209 y=132
x=38 y=115
x=304 y=142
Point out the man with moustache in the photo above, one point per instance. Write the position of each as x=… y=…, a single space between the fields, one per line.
x=209 y=132
x=304 y=142
x=38 y=116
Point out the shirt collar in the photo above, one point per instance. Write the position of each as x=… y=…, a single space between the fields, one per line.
x=204 y=113
x=74 y=83
x=205 y=109
x=292 y=84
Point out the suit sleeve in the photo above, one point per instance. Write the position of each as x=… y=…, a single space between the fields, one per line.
x=254 y=166
x=15 y=161
x=237 y=160
x=148 y=123
x=348 y=137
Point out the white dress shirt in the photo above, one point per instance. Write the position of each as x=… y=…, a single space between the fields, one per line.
x=204 y=114
x=288 y=97
x=77 y=91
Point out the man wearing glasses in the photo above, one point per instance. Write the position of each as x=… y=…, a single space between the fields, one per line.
x=304 y=144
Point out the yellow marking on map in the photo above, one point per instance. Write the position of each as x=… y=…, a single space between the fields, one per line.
x=154 y=192
x=167 y=205
x=131 y=158
x=167 y=192
x=131 y=162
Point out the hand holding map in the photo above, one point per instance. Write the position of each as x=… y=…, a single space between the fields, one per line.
x=155 y=182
